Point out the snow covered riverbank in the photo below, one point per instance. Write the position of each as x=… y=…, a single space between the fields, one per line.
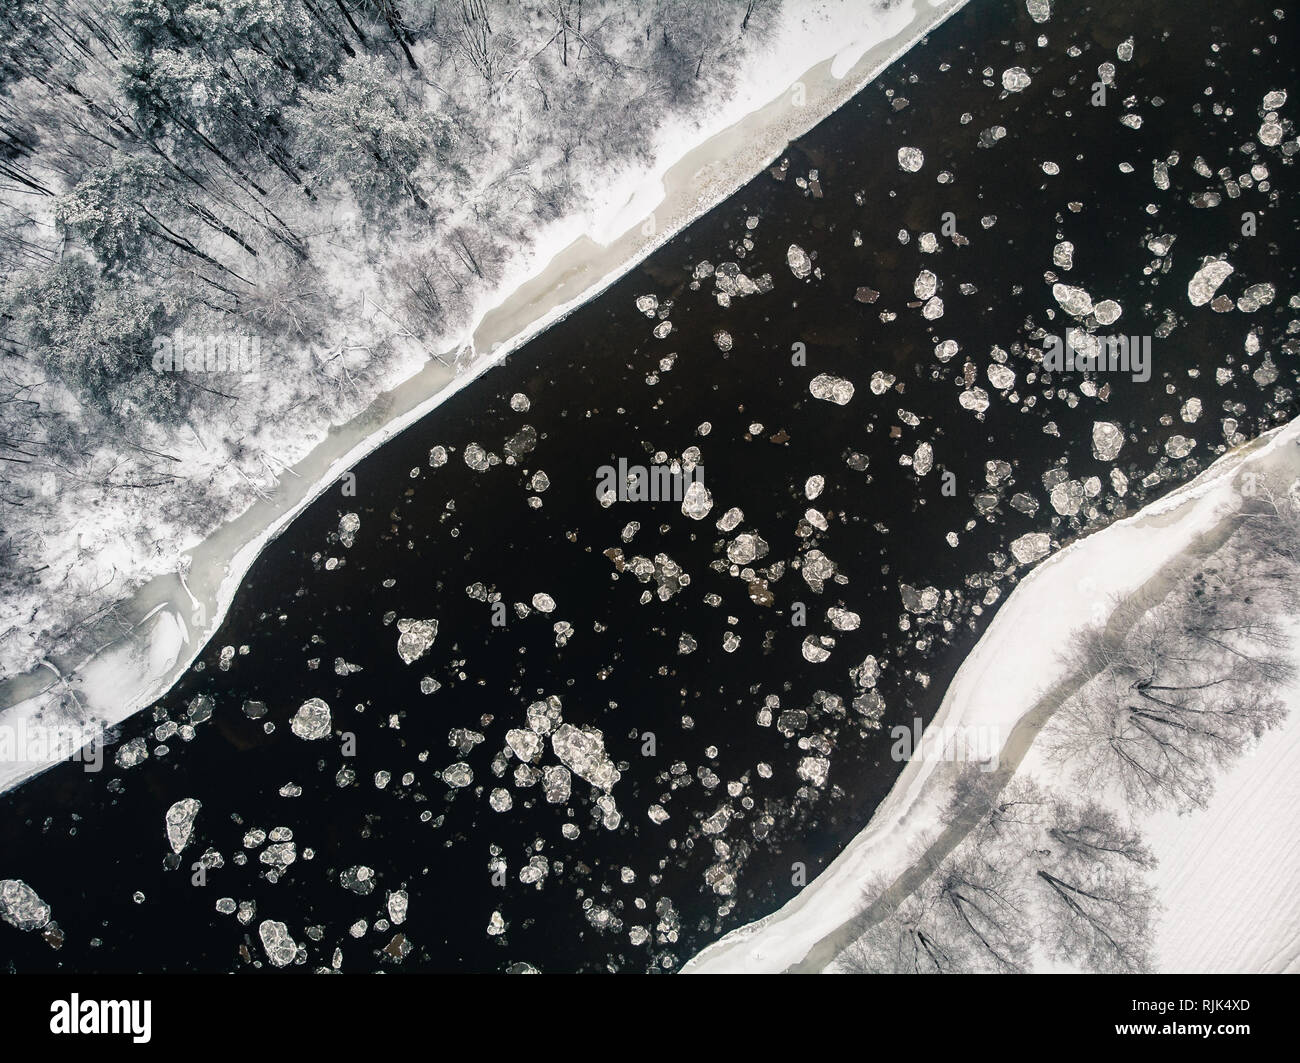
x=140 y=646
x=996 y=690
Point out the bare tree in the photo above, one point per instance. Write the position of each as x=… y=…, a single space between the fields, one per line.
x=1095 y=902
x=1037 y=871
x=1186 y=692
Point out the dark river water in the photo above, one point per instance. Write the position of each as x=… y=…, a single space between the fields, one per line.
x=766 y=762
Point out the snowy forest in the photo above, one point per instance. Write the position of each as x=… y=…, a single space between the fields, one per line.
x=198 y=174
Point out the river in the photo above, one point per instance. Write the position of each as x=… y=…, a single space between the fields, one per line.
x=765 y=758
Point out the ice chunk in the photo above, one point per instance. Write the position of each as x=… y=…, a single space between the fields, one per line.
x=312 y=720
x=910 y=159
x=1015 y=79
x=697 y=501
x=416 y=638
x=831 y=389
x=1202 y=286
x=800 y=263
x=1107 y=440
x=1074 y=301
x=21 y=906
x=1029 y=548
x=278 y=943
x=180 y=822
x=582 y=751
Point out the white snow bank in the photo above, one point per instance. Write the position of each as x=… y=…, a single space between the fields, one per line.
x=38 y=733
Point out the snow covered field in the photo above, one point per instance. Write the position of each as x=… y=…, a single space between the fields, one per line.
x=832 y=47
x=1228 y=875
x=1231 y=902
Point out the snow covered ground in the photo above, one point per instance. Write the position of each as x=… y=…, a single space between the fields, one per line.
x=1228 y=875
x=1231 y=901
x=822 y=53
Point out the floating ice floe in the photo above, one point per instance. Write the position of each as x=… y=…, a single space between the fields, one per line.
x=910 y=159
x=696 y=501
x=1001 y=377
x=974 y=399
x=816 y=569
x=1074 y=301
x=557 y=781
x=1107 y=312
x=923 y=459
x=1202 y=286
x=1255 y=296
x=21 y=906
x=918 y=601
x=582 y=751
x=280 y=947
x=1067 y=498
x=349 y=524
x=843 y=619
x=312 y=720
x=814 y=770
x=180 y=822
x=415 y=639
x=1015 y=79
x=800 y=263
x=398 y=905
x=745 y=548
x=527 y=745
x=1160 y=245
x=817 y=648
x=1031 y=547
x=1107 y=440
x=132 y=753
x=831 y=389
x=730 y=520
